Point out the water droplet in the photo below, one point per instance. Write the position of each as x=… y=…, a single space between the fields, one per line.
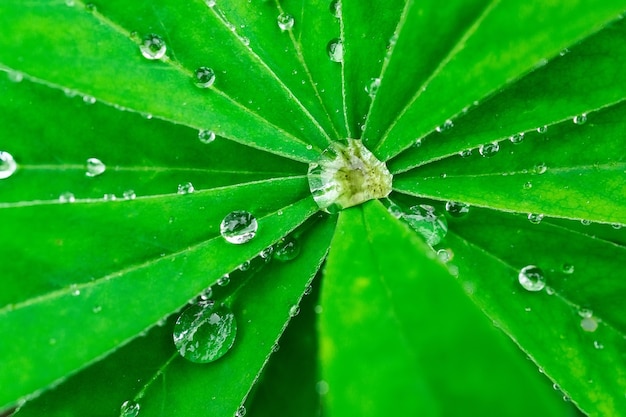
x=206 y=294
x=238 y=227
x=109 y=197
x=535 y=218
x=241 y=411
x=445 y=255
x=532 y=278
x=447 y=125
x=90 y=7
x=616 y=226
x=266 y=254
x=210 y=3
x=347 y=175
x=244 y=266
x=7 y=165
x=517 y=138
x=275 y=348
x=581 y=119
x=287 y=249
x=489 y=149
x=540 y=168
x=465 y=153
x=186 y=188
x=585 y=312
x=372 y=88
x=15 y=76
x=589 y=324
x=206 y=136
x=424 y=220
x=335 y=8
x=322 y=387
x=528 y=185
x=96 y=309
x=224 y=280
x=294 y=310
x=129 y=409
x=550 y=291
x=204 y=334
x=457 y=209
x=542 y=129
x=95 y=167
x=335 y=50
x=585 y=222
x=153 y=47
x=204 y=77
x=129 y=195
x=598 y=345
x=285 y=21
x=67 y=198
x=394 y=210
x=89 y=99
x=568 y=269
x=75 y=291
x=308 y=290
x=417 y=143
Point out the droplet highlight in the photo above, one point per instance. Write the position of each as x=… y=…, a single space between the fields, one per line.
x=95 y=167
x=204 y=77
x=238 y=227
x=285 y=21
x=8 y=166
x=152 y=47
x=532 y=278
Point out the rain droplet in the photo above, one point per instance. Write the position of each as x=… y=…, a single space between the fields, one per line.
x=372 y=88
x=540 y=168
x=129 y=409
x=447 y=125
x=542 y=129
x=517 y=138
x=109 y=197
x=204 y=334
x=224 y=280
x=424 y=220
x=457 y=209
x=67 y=198
x=153 y=47
x=241 y=411
x=266 y=254
x=489 y=149
x=585 y=222
x=210 y=3
x=204 y=77
x=238 y=227
x=335 y=50
x=15 y=76
x=581 y=119
x=465 y=153
x=535 y=218
x=206 y=136
x=89 y=99
x=294 y=310
x=186 y=188
x=7 y=165
x=568 y=269
x=95 y=167
x=287 y=249
x=445 y=255
x=244 y=266
x=598 y=345
x=335 y=8
x=285 y=21
x=129 y=195
x=532 y=278
x=528 y=185
x=589 y=324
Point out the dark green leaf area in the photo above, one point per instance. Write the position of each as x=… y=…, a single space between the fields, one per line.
x=398 y=316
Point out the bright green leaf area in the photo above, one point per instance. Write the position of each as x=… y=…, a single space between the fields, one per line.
x=408 y=318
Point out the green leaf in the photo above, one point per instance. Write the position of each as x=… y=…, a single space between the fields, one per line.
x=580 y=273
x=398 y=316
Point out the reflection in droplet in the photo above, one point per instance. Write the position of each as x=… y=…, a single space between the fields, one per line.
x=335 y=50
x=153 y=47
x=489 y=149
x=238 y=227
x=206 y=136
x=285 y=21
x=532 y=278
x=517 y=138
x=129 y=409
x=204 y=77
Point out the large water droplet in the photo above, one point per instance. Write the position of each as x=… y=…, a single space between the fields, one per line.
x=427 y=222
x=95 y=167
x=153 y=47
x=204 y=77
x=286 y=249
x=204 y=334
x=238 y=227
x=7 y=165
x=457 y=209
x=206 y=136
x=531 y=278
x=447 y=125
x=489 y=149
x=285 y=21
x=335 y=50
x=129 y=409
x=347 y=175
x=335 y=8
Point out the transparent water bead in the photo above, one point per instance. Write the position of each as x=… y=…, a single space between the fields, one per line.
x=532 y=278
x=95 y=167
x=581 y=119
x=488 y=150
x=203 y=333
x=204 y=77
x=286 y=249
x=517 y=138
x=67 y=198
x=153 y=47
x=457 y=209
x=241 y=411
x=129 y=409
x=294 y=310
x=535 y=218
x=335 y=8
x=335 y=50
x=285 y=21
x=224 y=280
x=447 y=125
x=206 y=136
x=347 y=175
x=186 y=188
x=238 y=227
x=427 y=222
x=372 y=88
x=210 y=3
x=589 y=324
x=266 y=254
x=7 y=165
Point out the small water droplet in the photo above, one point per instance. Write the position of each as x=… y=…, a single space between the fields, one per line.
x=550 y=291
x=335 y=50
x=465 y=153
x=275 y=348
x=540 y=168
x=129 y=195
x=445 y=255
x=266 y=254
x=335 y=8
x=372 y=88
x=67 y=198
x=75 y=291
x=91 y=8
x=245 y=266
x=585 y=312
x=322 y=387
x=598 y=345
x=238 y=227
x=109 y=197
x=210 y=3
x=241 y=411
x=97 y=309
x=7 y=165
x=129 y=409
x=423 y=219
x=457 y=209
x=95 y=167
x=585 y=222
x=417 y=143
x=153 y=47
x=186 y=188
x=294 y=310
x=206 y=136
x=567 y=269
x=285 y=21
x=89 y=99
x=204 y=334
x=616 y=226
x=528 y=185
x=517 y=138
x=206 y=294
x=15 y=76
x=204 y=77
x=224 y=280
x=308 y=290
x=581 y=119
x=287 y=249
x=489 y=149
x=447 y=125
x=589 y=324
x=531 y=278
x=535 y=218
x=542 y=129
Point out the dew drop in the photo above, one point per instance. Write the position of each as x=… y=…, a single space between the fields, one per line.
x=335 y=50
x=204 y=334
x=335 y=8
x=585 y=313
x=489 y=149
x=528 y=185
x=465 y=153
x=308 y=290
x=532 y=278
x=109 y=197
x=447 y=125
x=424 y=220
x=129 y=409
x=266 y=254
x=153 y=47
x=224 y=280
x=294 y=310
x=241 y=411
x=244 y=266
x=67 y=198
x=15 y=76
x=89 y=99
x=445 y=255
x=95 y=167
x=540 y=168
x=206 y=136
x=589 y=324
x=97 y=309
x=542 y=129
x=581 y=119
x=457 y=209
x=204 y=77
x=285 y=21
x=567 y=269
x=535 y=218
x=585 y=222
x=7 y=165
x=210 y=3
x=550 y=291
x=129 y=195
x=517 y=138
x=372 y=88
x=287 y=249
x=238 y=227
x=186 y=188
x=598 y=345
x=616 y=226
x=206 y=294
